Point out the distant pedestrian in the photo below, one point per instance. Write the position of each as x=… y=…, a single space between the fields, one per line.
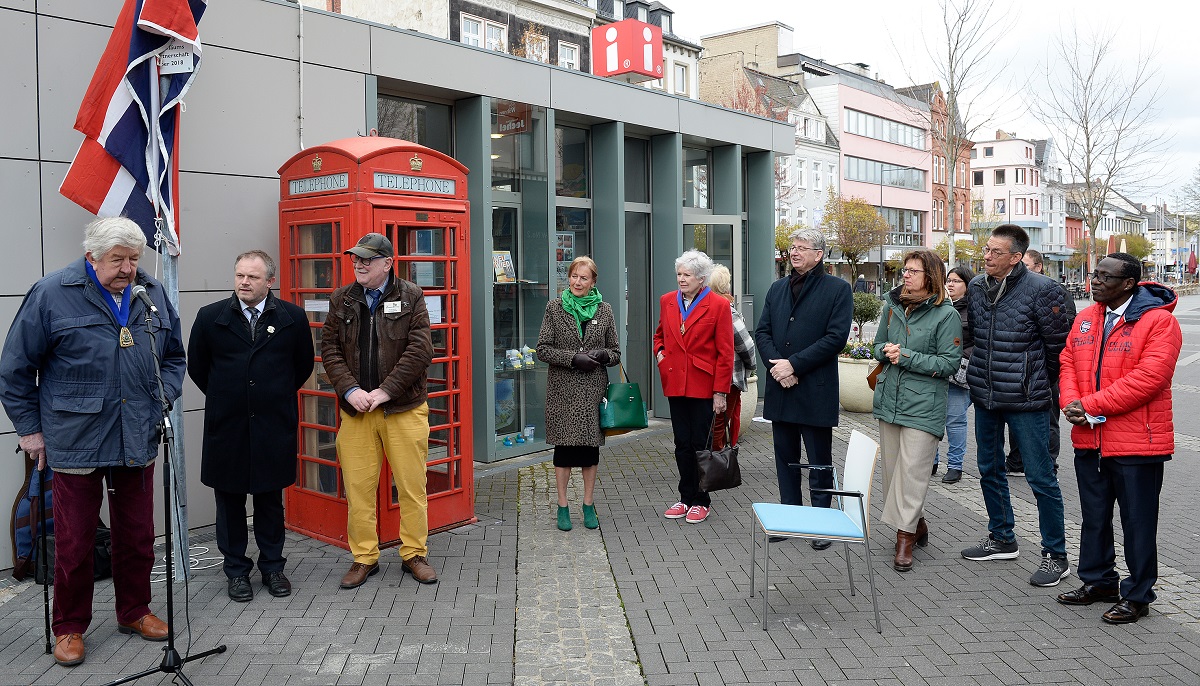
x=693 y=346
x=1116 y=391
x=1013 y=464
x=860 y=284
x=958 y=399
x=729 y=423
x=804 y=326
x=1018 y=322
x=919 y=340
x=578 y=340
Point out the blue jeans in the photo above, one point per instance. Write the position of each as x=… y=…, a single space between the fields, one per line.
x=1031 y=430
x=958 y=400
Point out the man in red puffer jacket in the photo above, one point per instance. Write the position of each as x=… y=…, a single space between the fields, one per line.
x=1115 y=387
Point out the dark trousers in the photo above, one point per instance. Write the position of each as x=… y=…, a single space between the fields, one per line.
x=691 y=420
x=1014 y=450
x=232 y=535
x=818 y=443
x=1135 y=488
x=77 y=499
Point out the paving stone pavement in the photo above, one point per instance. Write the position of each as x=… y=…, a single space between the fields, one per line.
x=646 y=600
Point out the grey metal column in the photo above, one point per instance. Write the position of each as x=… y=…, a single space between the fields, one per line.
x=473 y=147
x=371 y=86
x=760 y=230
x=666 y=227
x=608 y=216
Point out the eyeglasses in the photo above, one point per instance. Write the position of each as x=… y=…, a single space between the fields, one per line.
x=1099 y=276
x=988 y=251
x=955 y=281
x=798 y=248
x=365 y=261
x=906 y=271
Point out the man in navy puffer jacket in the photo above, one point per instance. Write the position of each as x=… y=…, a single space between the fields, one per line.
x=1018 y=322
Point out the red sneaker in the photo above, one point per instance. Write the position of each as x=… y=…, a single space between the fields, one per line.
x=676 y=511
x=697 y=514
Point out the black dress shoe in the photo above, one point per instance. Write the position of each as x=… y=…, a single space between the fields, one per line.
x=277 y=584
x=239 y=589
x=952 y=476
x=1088 y=594
x=821 y=544
x=1126 y=612
x=935 y=468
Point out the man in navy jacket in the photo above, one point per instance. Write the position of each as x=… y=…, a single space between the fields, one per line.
x=804 y=326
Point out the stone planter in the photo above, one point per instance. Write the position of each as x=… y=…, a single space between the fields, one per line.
x=749 y=400
x=854 y=393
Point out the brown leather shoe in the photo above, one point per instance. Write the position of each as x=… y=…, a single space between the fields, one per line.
x=1088 y=594
x=1126 y=612
x=68 y=649
x=420 y=569
x=357 y=576
x=922 y=533
x=904 y=549
x=148 y=627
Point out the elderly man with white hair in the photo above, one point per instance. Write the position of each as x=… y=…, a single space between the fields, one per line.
x=77 y=379
x=803 y=327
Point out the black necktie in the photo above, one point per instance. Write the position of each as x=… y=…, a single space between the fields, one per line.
x=373 y=296
x=253 y=321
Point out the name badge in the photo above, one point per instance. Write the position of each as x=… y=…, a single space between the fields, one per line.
x=393 y=306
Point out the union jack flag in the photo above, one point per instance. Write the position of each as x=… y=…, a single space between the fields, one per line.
x=111 y=174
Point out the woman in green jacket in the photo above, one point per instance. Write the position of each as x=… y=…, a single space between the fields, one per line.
x=919 y=342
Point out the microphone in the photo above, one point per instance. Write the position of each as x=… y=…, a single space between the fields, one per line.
x=139 y=292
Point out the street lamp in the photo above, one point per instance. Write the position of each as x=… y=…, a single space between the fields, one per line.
x=886 y=169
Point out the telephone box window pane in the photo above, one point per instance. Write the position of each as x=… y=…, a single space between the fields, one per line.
x=439 y=342
x=315 y=273
x=320 y=409
x=319 y=443
x=314 y=239
x=318 y=380
x=321 y=478
x=316 y=306
x=437 y=475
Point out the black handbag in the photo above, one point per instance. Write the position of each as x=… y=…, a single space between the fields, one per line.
x=719 y=469
x=622 y=409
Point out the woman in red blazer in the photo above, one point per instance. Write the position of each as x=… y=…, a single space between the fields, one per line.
x=694 y=348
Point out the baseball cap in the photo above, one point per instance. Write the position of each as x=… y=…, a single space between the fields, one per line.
x=372 y=245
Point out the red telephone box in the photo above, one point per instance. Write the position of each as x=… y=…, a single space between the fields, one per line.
x=330 y=196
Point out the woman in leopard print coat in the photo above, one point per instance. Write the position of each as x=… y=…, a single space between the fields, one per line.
x=578 y=340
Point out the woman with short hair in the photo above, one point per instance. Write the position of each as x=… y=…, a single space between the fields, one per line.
x=693 y=346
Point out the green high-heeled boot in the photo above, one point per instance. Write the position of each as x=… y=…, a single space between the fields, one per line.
x=564 y=519
x=589 y=517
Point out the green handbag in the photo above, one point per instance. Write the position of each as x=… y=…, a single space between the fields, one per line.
x=622 y=408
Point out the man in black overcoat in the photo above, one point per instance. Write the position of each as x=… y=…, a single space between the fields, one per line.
x=249 y=354
x=804 y=325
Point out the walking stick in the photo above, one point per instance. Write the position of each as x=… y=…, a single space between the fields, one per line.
x=42 y=555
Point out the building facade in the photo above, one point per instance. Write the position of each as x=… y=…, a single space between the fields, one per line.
x=558 y=161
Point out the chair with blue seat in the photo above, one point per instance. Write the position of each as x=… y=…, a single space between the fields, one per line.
x=848 y=522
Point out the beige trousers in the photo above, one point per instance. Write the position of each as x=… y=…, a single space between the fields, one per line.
x=907 y=461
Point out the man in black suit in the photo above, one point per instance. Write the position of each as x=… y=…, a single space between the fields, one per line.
x=803 y=328
x=249 y=354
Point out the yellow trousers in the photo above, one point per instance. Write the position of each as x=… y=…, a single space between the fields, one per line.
x=362 y=443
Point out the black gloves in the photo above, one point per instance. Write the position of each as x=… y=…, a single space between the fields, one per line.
x=583 y=362
x=601 y=356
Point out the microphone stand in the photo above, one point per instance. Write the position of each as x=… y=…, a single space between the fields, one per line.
x=172 y=662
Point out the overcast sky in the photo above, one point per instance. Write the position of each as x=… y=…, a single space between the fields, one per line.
x=892 y=38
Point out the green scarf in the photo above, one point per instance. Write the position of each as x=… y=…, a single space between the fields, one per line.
x=583 y=309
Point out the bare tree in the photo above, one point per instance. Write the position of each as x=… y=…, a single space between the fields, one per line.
x=1101 y=110
x=753 y=99
x=970 y=32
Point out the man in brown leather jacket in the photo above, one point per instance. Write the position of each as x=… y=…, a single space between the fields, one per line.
x=376 y=348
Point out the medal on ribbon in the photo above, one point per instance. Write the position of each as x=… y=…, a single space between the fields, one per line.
x=126 y=337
